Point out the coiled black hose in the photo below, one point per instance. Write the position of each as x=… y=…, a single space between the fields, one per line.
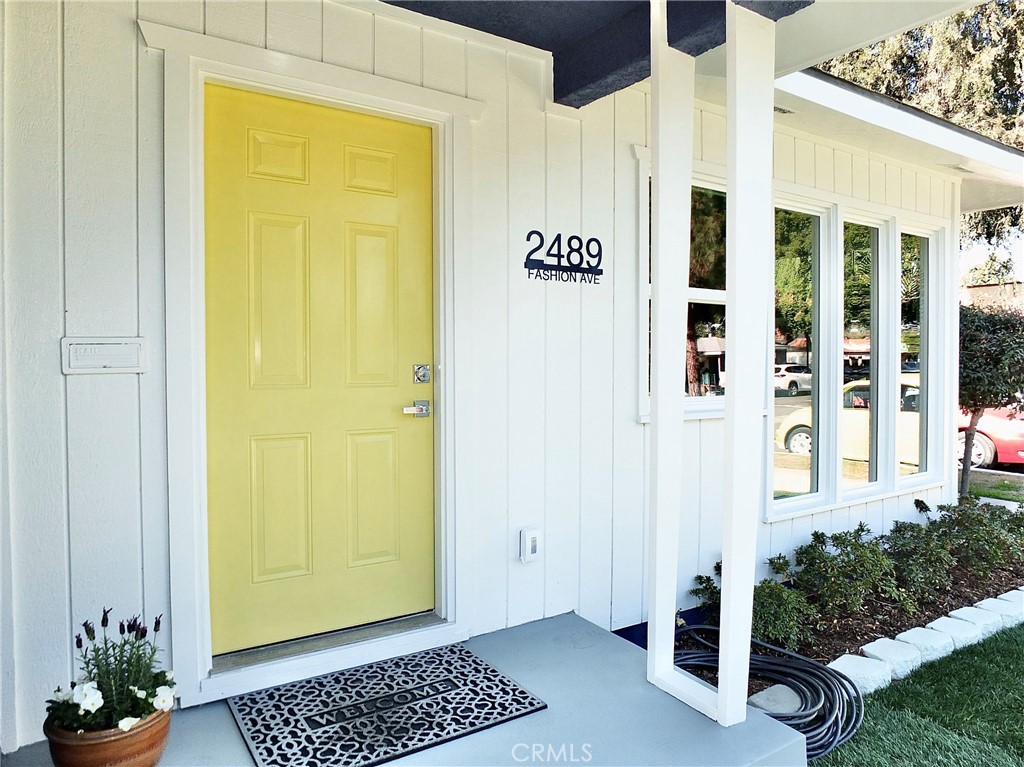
x=831 y=706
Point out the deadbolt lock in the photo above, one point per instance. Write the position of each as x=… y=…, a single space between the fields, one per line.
x=421 y=374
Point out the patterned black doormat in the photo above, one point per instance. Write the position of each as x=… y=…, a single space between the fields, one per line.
x=375 y=713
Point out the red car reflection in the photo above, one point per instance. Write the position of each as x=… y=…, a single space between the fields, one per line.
x=1000 y=437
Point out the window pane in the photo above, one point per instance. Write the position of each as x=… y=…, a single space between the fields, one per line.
x=796 y=401
x=707 y=239
x=858 y=420
x=911 y=425
x=705 y=350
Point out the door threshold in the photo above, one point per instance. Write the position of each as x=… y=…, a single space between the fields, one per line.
x=256 y=656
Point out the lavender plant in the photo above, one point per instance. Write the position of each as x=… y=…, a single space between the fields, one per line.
x=120 y=684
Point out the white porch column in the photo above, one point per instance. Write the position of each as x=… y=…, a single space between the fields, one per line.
x=672 y=84
x=750 y=237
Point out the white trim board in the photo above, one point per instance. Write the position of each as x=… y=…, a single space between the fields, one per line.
x=190 y=61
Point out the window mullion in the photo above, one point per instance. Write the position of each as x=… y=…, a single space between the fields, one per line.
x=885 y=358
x=830 y=365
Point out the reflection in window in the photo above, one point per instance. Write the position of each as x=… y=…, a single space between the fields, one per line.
x=707 y=239
x=796 y=261
x=858 y=421
x=911 y=423
x=705 y=350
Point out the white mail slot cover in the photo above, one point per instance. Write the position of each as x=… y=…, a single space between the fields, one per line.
x=103 y=355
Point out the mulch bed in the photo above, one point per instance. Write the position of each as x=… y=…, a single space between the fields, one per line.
x=881 y=619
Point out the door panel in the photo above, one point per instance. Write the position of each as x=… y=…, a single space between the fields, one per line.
x=319 y=285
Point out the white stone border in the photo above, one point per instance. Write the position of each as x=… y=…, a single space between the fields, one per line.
x=886 y=659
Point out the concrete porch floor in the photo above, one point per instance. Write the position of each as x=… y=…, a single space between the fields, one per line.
x=601 y=711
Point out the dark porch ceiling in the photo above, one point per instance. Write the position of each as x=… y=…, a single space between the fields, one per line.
x=599 y=46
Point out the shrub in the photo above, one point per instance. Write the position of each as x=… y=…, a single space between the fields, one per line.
x=782 y=615
x=981 y=537
x=922 y=559
x=841 y=571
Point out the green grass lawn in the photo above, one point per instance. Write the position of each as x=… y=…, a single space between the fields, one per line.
x=961 y=711
x=1001 y=486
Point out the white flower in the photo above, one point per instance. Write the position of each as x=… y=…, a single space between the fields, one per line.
x=163 y=698
x=62 y=695
x=169 y=674
x=127 y=723
x=138 y=693
x=88 y=697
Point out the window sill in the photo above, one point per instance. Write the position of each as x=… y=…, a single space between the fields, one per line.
x=807 y=507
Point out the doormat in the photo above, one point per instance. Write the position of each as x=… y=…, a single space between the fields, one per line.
x=375 y=713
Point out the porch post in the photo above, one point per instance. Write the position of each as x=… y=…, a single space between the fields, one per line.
x=750 y=234
x=672 y=85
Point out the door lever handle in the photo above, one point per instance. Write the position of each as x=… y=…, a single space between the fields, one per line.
x=420 y=409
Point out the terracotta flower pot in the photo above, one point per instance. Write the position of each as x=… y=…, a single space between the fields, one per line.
x=141 y=746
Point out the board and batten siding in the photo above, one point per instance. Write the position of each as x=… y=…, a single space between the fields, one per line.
x=546 y=403
x=83 y=256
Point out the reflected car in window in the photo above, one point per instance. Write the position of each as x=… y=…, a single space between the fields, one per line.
x=793 y=378
x=1000 y=437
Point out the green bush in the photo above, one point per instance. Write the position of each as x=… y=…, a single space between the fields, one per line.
x=782 y=615
x=981 y=537
x=842 y=571
x=922 y=559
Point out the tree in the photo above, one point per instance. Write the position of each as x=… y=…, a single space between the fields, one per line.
x=966 y=69
x=991 y=368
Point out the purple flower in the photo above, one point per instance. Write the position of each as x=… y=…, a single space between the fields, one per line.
x=121 y=628
x=78 y=641
x=156 y=622
x=105 y=620
x=90 y=630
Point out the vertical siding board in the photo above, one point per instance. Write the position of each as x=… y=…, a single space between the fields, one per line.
x=861 y=178
x=296 y=27
x=784 y=158
x=484 y=339
x=874 y=517
x=804 y=161
x=824 y=168
x=893 y=184
x=152 y=385
x=348 y=37
x=598 y=329
x=397 y=52
x=712 y=134
x=710 y=495
x=35 y=387
x=101 y=289
x=924 y=194
x=844 y=173
x=526 y=331
x=173 y=13
x=629 y=489
x=563 y=376
x=877 y=181
x=938 y=193
x=908 y=190
x=444 y=62
x=243 y=21
x=689 y=522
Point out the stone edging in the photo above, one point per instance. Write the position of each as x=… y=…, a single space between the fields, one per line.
x=886 y=659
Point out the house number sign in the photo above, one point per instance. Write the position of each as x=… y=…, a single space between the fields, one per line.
x=564 y=259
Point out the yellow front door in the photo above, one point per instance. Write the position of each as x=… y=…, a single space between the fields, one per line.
x=319 y=293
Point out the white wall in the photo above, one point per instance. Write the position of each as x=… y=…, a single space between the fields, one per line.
x=547 y=403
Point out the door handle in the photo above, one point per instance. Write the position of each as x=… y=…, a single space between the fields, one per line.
x=420 y=409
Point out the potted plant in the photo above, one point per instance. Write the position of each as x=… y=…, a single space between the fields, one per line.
x=118 y=710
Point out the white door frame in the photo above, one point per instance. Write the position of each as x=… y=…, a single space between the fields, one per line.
x=190 y=61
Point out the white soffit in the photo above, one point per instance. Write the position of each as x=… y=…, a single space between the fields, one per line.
x=993 y=175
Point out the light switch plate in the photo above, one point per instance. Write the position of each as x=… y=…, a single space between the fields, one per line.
x=529 y=544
